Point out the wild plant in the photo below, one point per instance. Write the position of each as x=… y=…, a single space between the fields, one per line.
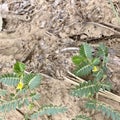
x=91 y=64
x=18 y=90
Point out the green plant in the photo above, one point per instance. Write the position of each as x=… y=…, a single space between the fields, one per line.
x=24 y=93
x=92 y=64
x=106 y=109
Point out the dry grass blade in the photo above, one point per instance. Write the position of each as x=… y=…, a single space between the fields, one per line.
x=110 y=95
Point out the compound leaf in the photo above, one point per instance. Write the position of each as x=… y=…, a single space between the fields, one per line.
x=84 y=70
x=9 y=105
x=3 y=92
x=77 y=59
x=34 y=82
x=99 y=75
x=102 y=50
x=96 y=61
x=86 y=51
x=105 y=109
x=89 y=88
x=17 y=103
x=35 y=96
x=19 y=67
x=48 y=110
x=9 y=79
x=27 y=78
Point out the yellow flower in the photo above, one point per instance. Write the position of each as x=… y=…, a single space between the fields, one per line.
x=20 y=85
x=95 y=69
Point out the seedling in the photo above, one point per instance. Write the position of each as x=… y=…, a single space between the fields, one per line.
x=91 y=64
x=24 y=93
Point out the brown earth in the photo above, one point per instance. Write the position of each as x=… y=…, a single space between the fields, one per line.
x=40 y=33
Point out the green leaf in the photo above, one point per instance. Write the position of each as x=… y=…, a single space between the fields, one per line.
x=48 y=110
x=27 y=78
x=82 y=71
x=31 y=106
x=105 y=60
x=91 y=104
x=102 y=50
x=26 y=116
x=81 y=117
x=77 y=59
x=86 y=89
x=95 y=61
x=99 y=75
x=86 y=51
x=9 y=79
x=27 y=100
x=34 y=82
x=23 y=91
x=89 y=88
x=19 y=67
x=106 y=86
x=3 y=92
x=35 y=96
x=105 y=109
x=9 y=105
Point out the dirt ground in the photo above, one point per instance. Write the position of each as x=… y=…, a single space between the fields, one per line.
x=42 y=33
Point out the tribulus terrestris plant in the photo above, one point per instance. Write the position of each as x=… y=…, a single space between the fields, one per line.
x=23 y=93
x=91 y=64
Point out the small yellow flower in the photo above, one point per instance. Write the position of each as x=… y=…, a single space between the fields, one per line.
x=20 y=85
x=95 y=69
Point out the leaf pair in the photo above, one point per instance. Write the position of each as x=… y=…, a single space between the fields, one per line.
x=48 y=110
x=85 y=54
x=106 y=110
x=19 y=68
x=83 y=60
x=30 y=80
x=33 y=81
x=89 y=88
x=13 y=104
x=9 y=79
